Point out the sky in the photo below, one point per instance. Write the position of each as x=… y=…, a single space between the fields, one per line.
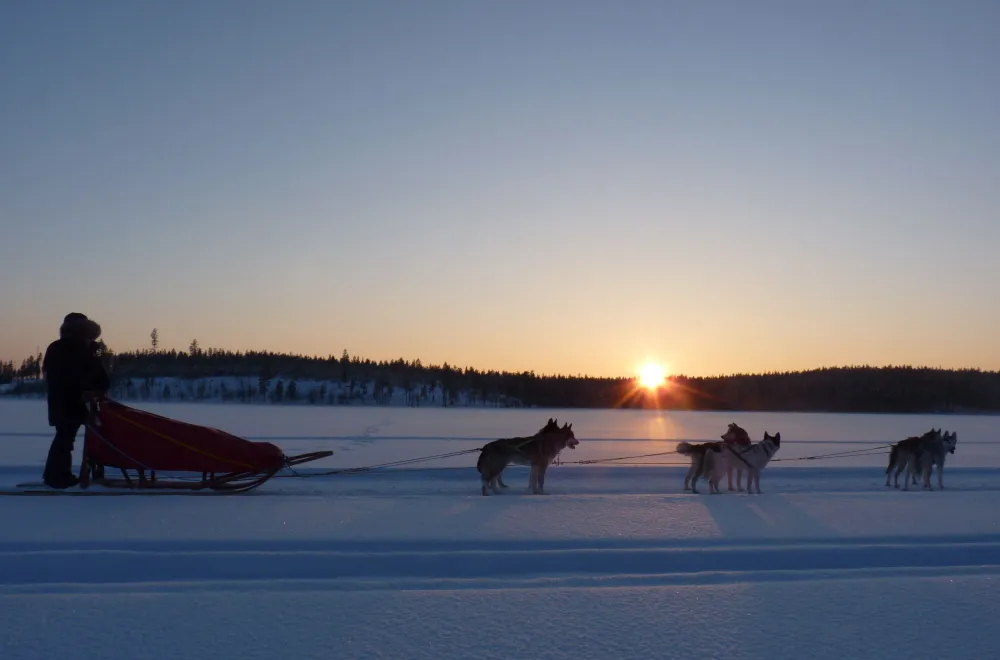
x=572 y=187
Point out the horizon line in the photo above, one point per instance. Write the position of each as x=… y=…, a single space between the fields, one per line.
x=672 y=376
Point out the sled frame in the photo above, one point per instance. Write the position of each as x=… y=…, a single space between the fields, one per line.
x=145 y=478
x=228 y=482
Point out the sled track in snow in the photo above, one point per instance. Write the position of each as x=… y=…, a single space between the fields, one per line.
x=165 y=566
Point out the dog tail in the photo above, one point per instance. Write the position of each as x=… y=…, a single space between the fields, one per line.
x=684 y=448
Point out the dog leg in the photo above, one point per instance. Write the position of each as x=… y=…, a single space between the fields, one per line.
x=910 y=470
x=541 y=478
x=729 y=475
x=941 y=476
x=500 y=480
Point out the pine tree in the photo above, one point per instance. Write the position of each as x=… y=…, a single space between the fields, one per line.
x=154 y=337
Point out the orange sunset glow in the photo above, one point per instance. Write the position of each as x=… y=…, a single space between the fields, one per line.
x=652 y=375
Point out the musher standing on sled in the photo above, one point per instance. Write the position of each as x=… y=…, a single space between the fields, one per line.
x=71 y=368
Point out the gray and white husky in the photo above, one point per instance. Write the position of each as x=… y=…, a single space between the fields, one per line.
x=756 y=457
x=919 y=454
x=537 y=451
x=935 y=455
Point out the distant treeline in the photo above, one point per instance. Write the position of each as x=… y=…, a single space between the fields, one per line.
x=840 y=389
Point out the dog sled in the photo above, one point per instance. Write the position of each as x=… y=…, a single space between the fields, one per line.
x=144 y=447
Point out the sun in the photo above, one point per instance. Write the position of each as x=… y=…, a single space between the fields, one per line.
x=652 y=376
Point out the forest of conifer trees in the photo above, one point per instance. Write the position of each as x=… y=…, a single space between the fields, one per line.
x=900 y=389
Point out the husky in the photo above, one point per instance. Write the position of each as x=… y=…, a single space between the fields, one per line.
x=537 y=451
x=756 y=457
x=734 y=435
x=906 y=456
x=709 y=459
x=919 y=454
x=935 y=455
x=737 y=437
x=697 y=452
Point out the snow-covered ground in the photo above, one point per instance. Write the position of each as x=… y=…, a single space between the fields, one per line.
x=616 y=562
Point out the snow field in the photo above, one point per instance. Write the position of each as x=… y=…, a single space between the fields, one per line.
x=617 y=561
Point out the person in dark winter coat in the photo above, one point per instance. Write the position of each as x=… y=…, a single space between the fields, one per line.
x=72 y=368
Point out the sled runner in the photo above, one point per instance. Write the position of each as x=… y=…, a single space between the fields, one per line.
x=141 y=445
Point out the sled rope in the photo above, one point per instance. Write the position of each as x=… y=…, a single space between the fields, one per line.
x=592 y=461
x=369 y=468
x=879 y=448
x=619 y=458
x=856 y=452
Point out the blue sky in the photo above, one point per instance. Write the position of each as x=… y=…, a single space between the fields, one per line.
x=571 y=187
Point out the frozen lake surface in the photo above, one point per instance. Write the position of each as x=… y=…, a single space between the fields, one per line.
x=616 y=562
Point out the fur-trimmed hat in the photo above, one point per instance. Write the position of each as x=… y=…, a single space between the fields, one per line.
x=77 y=326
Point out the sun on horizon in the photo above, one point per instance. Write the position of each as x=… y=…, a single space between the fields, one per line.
x=652 y=375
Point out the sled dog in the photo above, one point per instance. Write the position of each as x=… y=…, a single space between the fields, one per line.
x=737 y=437
x=903 y=457
x=697 y=454
x=708 y=459
x=935 y=455
x=902 y=453
x=734 y=435
x=756 y=457
x=537 y=451
x=919 y=454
